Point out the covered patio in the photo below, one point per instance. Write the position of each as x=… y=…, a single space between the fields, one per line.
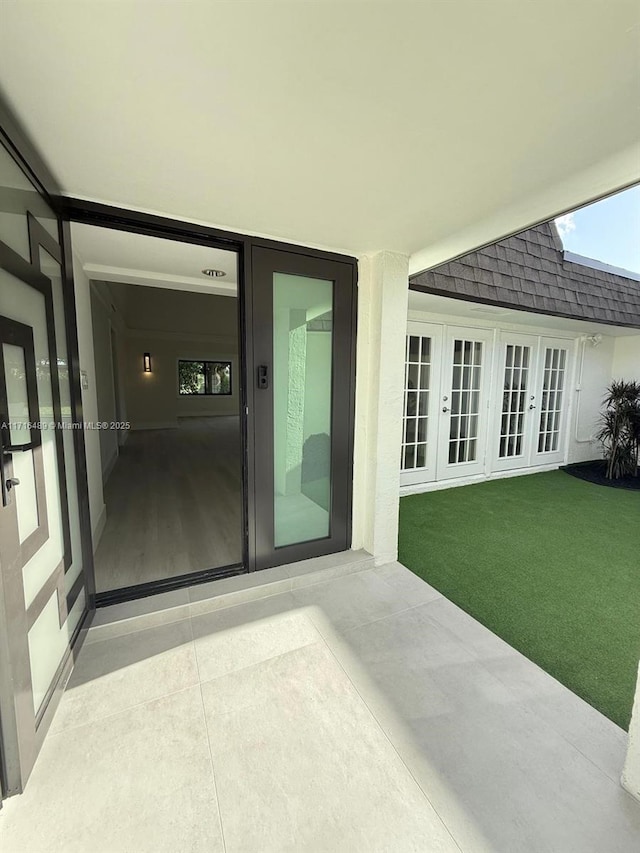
x=334 y=706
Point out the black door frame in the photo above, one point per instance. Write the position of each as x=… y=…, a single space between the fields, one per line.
x=71 y=210
x=153 y=225
x=266 y=262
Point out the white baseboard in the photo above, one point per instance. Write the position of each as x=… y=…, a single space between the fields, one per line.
x=438 y=485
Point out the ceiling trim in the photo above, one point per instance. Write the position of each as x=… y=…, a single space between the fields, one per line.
x=167 y=281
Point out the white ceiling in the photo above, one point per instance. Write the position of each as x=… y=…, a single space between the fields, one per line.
x=422 y=127
x=109 y=255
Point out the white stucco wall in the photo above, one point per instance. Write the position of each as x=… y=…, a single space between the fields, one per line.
x=382 y=318
x=626 y=358
x=97 y=507
x=594 y=370
x=631 y=772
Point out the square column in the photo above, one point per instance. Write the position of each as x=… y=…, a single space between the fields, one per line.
x=383 y=293
x=631 y=772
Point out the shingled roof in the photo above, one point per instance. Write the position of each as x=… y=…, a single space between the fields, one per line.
x=529 y=272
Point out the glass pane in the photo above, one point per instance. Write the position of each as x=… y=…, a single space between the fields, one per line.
x=414 y=348
x=411 y=402
x=409 y=457
x=413 y=371
x=18 y=412
x=51 y=268
x=552 y=400
x=424 y=377
x=302 y=376
x=17 y=401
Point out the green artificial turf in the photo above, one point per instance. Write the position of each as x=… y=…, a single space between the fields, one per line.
x=549 y=563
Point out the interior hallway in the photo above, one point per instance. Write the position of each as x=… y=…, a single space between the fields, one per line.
x=174 y=503
x=361 y=713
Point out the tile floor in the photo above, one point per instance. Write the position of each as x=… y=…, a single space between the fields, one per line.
x=364 y=713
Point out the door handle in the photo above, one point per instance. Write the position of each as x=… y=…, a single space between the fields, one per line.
x=263 y=377
x=17 y=448
x=532 y=406
x=445 y=409
x=11 y=482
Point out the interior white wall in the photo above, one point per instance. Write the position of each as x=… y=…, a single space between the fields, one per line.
x=631 y=772
x=382 y=315
x=97 y=508
x=105 y=381
x=626 y=358
x=152 y=399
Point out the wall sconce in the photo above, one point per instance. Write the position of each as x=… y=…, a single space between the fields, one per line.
x=146 y=362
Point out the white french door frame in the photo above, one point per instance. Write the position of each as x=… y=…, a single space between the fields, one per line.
x=463 y=403
x=554 y=403
x=529 y=412
x=488 y=464
x=426 y=416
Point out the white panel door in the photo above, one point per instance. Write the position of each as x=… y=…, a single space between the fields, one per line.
x=421 y=397
x=552 y=395
x=464 y=402
x=514 y=405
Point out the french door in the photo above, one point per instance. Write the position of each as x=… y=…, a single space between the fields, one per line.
x=423 y=364
x=515 y=410
x=530 y=420
x=303 y=339
x=463 y=402
x=552 y=394
x=478 y=401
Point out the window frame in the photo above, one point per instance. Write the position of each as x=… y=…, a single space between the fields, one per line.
x=205 y=361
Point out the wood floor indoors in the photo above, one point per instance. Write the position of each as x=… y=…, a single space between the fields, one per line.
x=174 y=503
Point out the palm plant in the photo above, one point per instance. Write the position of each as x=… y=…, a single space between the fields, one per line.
x=619 y=431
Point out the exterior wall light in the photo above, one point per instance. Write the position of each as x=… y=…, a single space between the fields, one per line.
x=146 y=362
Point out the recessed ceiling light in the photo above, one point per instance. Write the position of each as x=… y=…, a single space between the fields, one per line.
x=213 y=273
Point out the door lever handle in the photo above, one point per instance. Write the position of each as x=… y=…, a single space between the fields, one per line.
x=445 y=409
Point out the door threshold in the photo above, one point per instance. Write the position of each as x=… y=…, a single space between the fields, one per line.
x=144 y=590
x=175 y=605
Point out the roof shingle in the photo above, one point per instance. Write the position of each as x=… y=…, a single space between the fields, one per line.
x=528 y=270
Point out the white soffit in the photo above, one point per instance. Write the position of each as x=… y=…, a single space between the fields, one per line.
x=110 y=255
x=438 y=308
x=426 y=128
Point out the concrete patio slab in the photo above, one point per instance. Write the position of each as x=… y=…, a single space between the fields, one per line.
x=359 y=713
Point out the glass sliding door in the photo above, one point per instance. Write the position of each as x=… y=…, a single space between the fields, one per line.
x=302 y=381
x=303 y=351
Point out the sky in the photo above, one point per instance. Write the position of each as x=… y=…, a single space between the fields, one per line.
x=608 y=230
